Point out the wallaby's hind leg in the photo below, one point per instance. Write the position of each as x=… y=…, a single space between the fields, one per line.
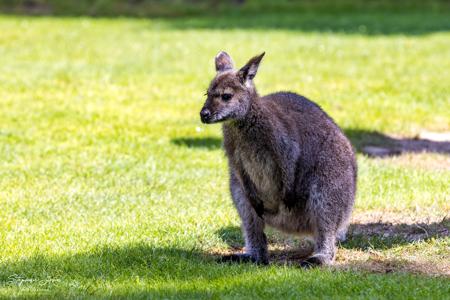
x=252 y=228
x=326 y=225
x=341 y=235
x=324 y=250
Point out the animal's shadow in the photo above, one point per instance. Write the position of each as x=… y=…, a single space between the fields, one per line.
x=361 y=236
x=377 y=144
x=371 y=143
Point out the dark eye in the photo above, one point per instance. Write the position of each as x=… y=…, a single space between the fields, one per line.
x=226 y=97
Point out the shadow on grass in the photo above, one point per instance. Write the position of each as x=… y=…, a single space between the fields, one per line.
x=385 y=235
x=84 y=273
x=374 y=235
x=136 y=270
x=365 y=23
x=327 y=16
x=109 y=262
x=371 y=143
x=376 y=144
x=110 y=270
x=147 y=271
x=365 y=237
x=210 y=143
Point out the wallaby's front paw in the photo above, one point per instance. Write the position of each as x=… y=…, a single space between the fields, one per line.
x=243 y=258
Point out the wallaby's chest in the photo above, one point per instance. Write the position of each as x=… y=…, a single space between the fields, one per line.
x=260 y=166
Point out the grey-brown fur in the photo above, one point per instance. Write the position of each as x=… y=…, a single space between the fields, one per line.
x=290 y=165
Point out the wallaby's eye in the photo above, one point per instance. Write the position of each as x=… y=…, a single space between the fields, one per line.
x=226 y=97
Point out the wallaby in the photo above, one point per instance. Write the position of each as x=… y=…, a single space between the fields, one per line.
x=290 y=165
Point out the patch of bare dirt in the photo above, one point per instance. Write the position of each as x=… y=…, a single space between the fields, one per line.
x=406 y=228
x=357 y=260
x=378 y=262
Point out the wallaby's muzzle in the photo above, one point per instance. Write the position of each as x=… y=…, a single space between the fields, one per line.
x=205 y=115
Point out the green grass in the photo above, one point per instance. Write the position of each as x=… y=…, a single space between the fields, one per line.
x=111 y=187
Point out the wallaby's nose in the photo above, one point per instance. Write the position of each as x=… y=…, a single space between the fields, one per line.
x=205 y=115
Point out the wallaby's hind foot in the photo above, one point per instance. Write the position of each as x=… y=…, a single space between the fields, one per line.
x=316 y=261
x=324 y=249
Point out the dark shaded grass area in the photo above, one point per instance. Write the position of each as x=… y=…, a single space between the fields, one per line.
x=380 y=235
x=108 y=262
x=123 y=264
x=366 y=23
x=374 y=17
x=210 y=143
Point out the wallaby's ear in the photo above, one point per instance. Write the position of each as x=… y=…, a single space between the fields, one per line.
x=223 y=62
x=248 y=71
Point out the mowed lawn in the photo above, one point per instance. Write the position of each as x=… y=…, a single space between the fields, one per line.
x=111 y=187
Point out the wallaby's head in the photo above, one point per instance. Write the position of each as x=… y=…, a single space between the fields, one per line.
x=231 y=92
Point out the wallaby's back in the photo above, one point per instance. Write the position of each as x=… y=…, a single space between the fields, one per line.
x=306 y=123
x=322 y=144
